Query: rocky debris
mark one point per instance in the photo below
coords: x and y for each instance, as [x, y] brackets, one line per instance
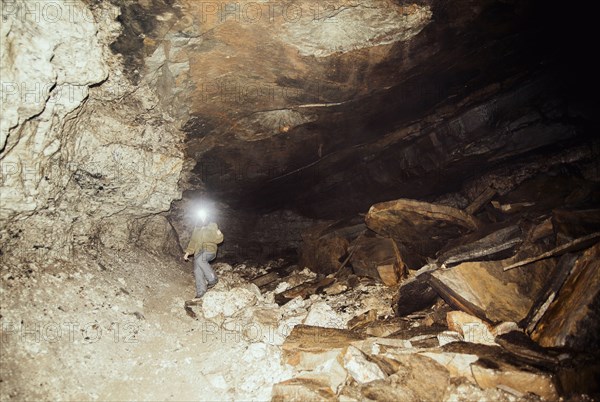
[551, 289]
[322, 315]
[472, 329]
[415, 294]
[574, 245]
[301, 389]
[362, 370]
[497, 245]
[227, 303]
[376, 257]
[418, 227]
[572, 224]
[305, 289]
[482, 290]
[325, 246]
[518, 278]
[325, 254]
[572, 316]
[338, 364]
[479, 201]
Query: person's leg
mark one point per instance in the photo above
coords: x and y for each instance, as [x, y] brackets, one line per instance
[199, 275]
[209, 273]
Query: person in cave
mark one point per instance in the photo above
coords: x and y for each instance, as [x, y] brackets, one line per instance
[203, 245]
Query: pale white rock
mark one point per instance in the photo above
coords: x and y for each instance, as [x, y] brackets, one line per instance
[362, 370]
[446, 337]
[458, 364]
[262, 369]
[217, 381]
[505, 328]
[227, 303]
[282, 287]
[46, 67]
[321, 314]
[72, 153]
[333, 370]
[471, 328]
[355, 26]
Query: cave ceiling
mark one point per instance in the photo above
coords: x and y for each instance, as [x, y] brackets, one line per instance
[328, 107]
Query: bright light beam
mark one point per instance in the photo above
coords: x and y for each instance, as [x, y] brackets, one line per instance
[202, 214]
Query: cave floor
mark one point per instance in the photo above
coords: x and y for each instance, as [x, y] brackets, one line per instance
[113, 327]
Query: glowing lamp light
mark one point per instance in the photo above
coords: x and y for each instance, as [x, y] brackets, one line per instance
[202, 214]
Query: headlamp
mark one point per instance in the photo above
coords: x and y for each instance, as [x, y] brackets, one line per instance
[202, 214]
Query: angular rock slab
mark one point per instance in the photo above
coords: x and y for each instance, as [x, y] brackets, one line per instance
[572, 318]
[414, 295]
[360, 368]
[306, 343]
[519, 380]
[416, 378]
[420, 226]
[302, 389]
[471, 328]
[498, 368]
[323, 255]
[370, 252]
[481, 289]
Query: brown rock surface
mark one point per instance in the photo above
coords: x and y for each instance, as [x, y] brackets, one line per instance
[419, 226]
[572, 318]
[484, 290]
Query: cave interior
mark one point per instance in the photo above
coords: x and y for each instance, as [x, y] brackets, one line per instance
[402, 186]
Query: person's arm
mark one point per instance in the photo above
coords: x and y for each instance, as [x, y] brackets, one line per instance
[192, 245]
[219, 237]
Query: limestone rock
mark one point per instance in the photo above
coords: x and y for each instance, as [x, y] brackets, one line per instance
[356, 27]
[227, 303]
[498, 245]
[458, 364]
[411, 371]
[310, 340]
[446, 337]
[389, 274]
[362, 370]
[322, 315]
[71, 150]
[323, 255]
[336, 289]
[324, 367]
[471, 328]
[498, 367]
[484, 290]
[522, 381]
[466, 391]
[303, 389]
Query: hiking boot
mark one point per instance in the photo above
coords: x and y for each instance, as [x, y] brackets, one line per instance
[193, 302]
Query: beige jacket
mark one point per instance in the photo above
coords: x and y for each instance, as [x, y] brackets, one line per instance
[205, 238]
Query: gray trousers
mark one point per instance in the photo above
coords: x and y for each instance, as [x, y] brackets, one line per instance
[205, 276]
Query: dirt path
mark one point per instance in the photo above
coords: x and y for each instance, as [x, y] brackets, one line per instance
[114, 328]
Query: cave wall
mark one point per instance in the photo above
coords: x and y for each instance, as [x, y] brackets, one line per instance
[112, 111]
[86, 153]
